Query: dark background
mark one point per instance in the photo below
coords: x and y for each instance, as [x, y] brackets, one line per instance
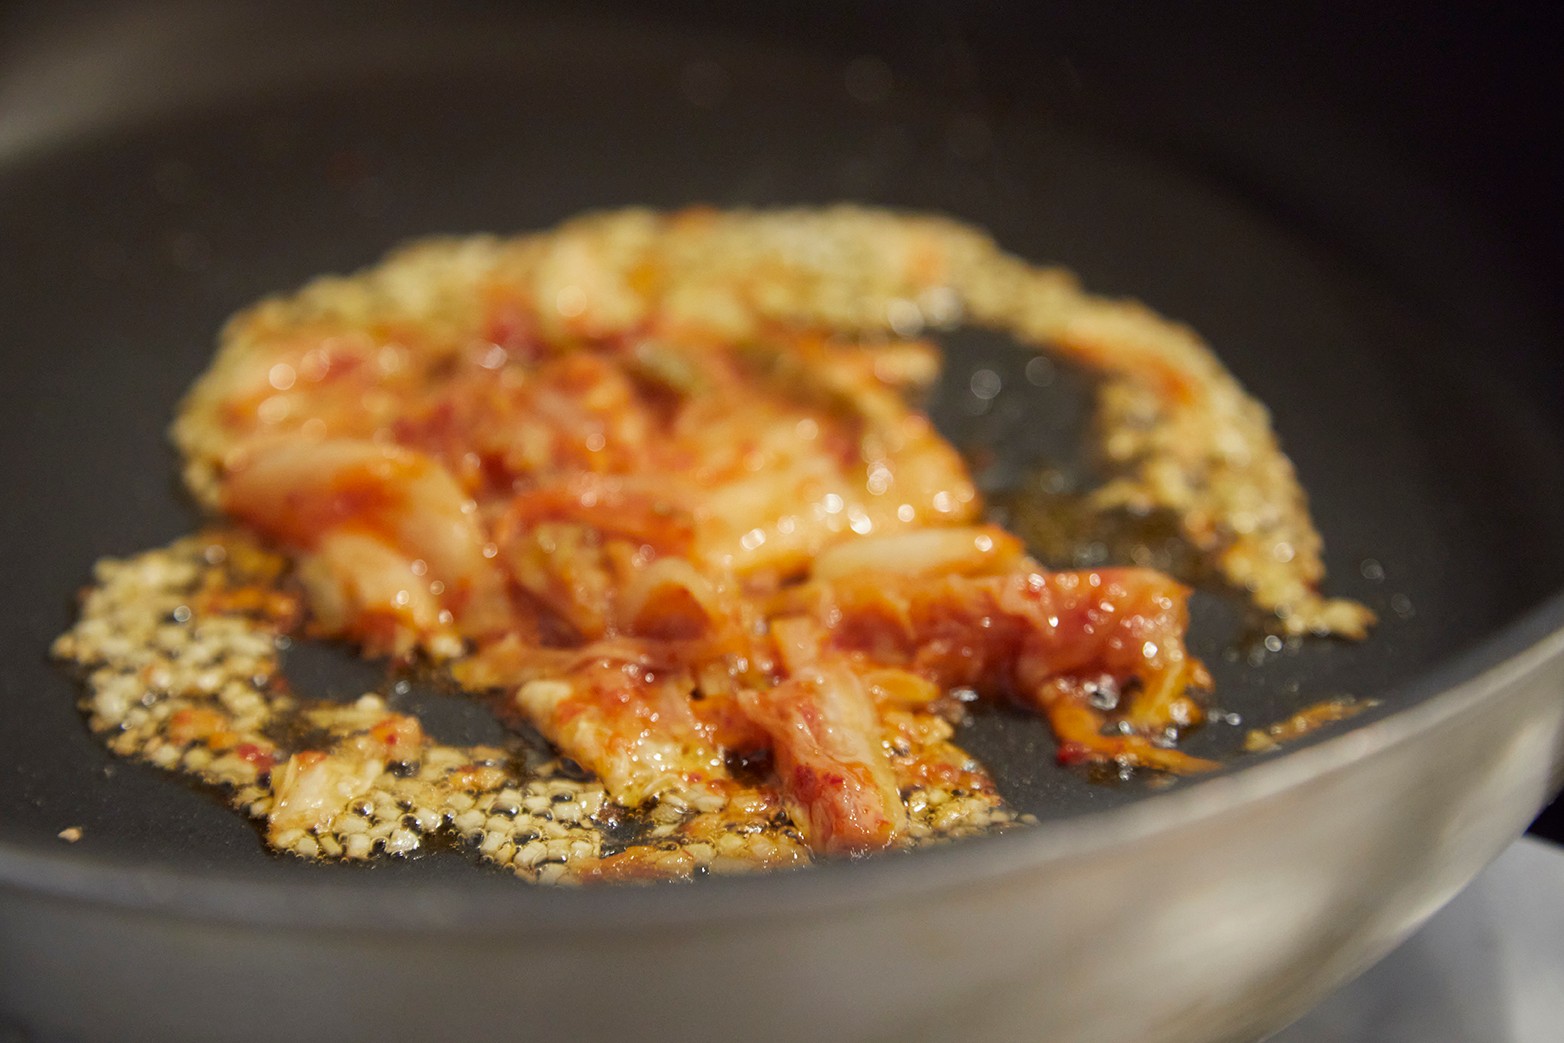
[1464, 96]
[1470, 94]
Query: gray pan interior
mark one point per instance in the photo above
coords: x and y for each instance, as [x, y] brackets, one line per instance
[138, 211]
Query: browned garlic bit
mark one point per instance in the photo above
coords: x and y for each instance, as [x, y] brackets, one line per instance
[1305, 722]
[1177, 431]
[179, 647]
[655, 485]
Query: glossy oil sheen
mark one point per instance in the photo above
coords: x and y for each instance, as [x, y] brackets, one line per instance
[132, 229]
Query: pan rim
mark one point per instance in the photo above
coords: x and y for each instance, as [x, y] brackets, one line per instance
[1508, 657]
[1499, 660]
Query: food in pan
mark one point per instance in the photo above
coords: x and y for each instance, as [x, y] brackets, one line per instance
[656, 486]
[1306, 721]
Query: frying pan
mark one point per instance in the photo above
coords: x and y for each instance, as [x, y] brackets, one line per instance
[1344, 227]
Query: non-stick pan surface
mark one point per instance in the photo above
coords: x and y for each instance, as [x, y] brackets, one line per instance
[174, 171]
